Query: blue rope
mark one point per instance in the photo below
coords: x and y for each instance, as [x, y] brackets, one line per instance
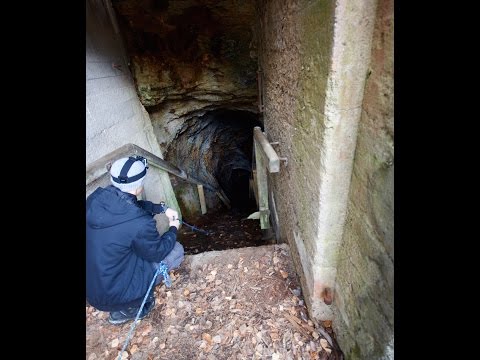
[194, 228]
[163, 269]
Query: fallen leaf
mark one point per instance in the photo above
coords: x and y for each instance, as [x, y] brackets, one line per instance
[274, 336]
[147, 330]
[124, 355]
[207, 337]
[115, 343]
[284, 274]
[169, 312]
[275, 356]
[134, 349]
[217, 339]
[243, 329]
[324, 344]
[162, 346]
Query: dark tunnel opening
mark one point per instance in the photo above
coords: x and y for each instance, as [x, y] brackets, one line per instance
[217, 148]
[234, 146]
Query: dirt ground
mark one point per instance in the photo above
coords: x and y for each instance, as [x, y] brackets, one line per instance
[241, 303]
[226, 230]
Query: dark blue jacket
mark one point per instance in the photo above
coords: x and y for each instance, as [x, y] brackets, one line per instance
[122, 242]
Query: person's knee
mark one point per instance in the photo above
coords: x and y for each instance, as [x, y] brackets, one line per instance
[179, 249]
[179, 252]
[175, 257]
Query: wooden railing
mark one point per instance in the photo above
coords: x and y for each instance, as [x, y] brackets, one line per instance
[102, 166]
[265, 159]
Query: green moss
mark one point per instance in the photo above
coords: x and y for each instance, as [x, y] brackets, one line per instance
[187, 202]
[355, 352]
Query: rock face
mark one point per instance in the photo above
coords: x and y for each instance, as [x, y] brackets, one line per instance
[188, 55]
[217, 149]
[191, 59]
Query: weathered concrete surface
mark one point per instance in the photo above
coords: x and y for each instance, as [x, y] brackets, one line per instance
[294, 54]
[189, 56]
[364, 291]
[114, 114]
[314, 55]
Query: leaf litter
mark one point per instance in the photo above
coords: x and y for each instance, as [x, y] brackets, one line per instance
[243, 303]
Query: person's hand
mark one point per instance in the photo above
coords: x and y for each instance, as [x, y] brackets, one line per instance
[175, 223]
[171, 214]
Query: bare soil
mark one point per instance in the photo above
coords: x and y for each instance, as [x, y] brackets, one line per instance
[241, 303]
[226, 230]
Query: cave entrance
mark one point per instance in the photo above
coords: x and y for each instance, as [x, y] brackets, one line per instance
[216, 148]
[195, 68]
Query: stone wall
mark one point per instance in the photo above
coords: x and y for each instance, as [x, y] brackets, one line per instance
[364, 291]
[114, 114]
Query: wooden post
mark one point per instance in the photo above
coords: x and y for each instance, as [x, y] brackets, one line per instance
[221, 194]
[265, 150]
[254, 186]
[265, 158]
[262, 187]
[201, 195]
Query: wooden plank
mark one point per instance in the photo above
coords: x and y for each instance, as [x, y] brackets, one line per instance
[201, 195]
[101, 166]
[267, 151]
[221, 194]
[159, 162]
[262, 184]
[255, 186]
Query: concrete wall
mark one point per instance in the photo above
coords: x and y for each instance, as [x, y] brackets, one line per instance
[295, 56]
[114, 114]
[364, 290]
[314, 56]
[328, 97]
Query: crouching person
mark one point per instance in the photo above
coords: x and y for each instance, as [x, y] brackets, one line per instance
[123, 246]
